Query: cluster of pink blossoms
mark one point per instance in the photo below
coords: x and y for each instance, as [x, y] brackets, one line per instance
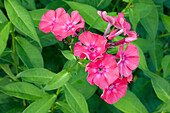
[109, 72]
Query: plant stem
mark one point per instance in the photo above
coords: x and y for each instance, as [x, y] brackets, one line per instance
[14, 49]
[127, 6]
[73, 66]
[160, 36]
[117, 1]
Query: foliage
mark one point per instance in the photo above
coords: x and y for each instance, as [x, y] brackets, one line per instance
[39, 74]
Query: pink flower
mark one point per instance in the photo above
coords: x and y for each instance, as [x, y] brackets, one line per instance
[106, 18]
[115, 91]
[121, 23]
[102, 72]
[129, 59]
[132, 36]
[95, 46]
[67, 26]
[49, 18]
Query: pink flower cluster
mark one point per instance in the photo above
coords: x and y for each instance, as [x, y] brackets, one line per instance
[109, 72]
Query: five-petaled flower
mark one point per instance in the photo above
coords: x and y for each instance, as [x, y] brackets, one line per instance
[107, 71]
[102, 72]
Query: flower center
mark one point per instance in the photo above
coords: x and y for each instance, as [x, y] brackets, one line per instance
[69, 27]
[111, 86]
[92, 49]
[100, 70]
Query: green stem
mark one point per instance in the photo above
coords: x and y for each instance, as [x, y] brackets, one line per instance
[14, 50]
[127, 6]
[117, 1]
[73, 66]
[160, 36]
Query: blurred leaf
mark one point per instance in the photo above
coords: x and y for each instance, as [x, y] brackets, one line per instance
[29, 4]
[21, 18]
[76, 101]
[23, 90]
[28, 53]
[166, 21]
[2, 17]
[58, 80]
[163, 107]
[37, 75]
[160, 85]
[64, 107]
[89, 14]
[36, 15]
[166, 66]
[4, 33]
[134, 18]
[67, 54]
[45, 2]
[141, 87]
[41, 105]
[167, 4]
[79, 82]
[156, 54]
[149, 22]
[130, 104]
[57, 4]
[144, 44]
[98, 4]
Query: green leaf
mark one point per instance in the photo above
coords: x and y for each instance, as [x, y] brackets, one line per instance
[130, 104]
[163, 108]
[144, 44]
[166, 21]
[149, 21]
[160, 85]
[41, 105]
[89, 15]
[58, 80]
[2, 17]
[67, 54]
[29, 4]
[156, 54]
[79, 82]
[8, 71]
[64, 107]
[36, 15]
[37, 75]
[98, 4]
[23, 90]
[57, 4]
[21, 18]
[76, 101]
[166, 66]
[4, 33]
[28, 53]
[134, 18]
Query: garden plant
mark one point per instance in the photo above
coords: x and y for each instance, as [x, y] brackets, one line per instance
[84, 56]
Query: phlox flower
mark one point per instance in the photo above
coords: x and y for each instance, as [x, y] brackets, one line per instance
[129, 59]
[121, 23]
[67, 25]
[95, 46]
[106, 18]
[49, 18]
[132, 36]
[102, 72]
[115, 91]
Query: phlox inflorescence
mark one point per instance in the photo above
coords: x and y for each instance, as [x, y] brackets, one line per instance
[109, 72]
